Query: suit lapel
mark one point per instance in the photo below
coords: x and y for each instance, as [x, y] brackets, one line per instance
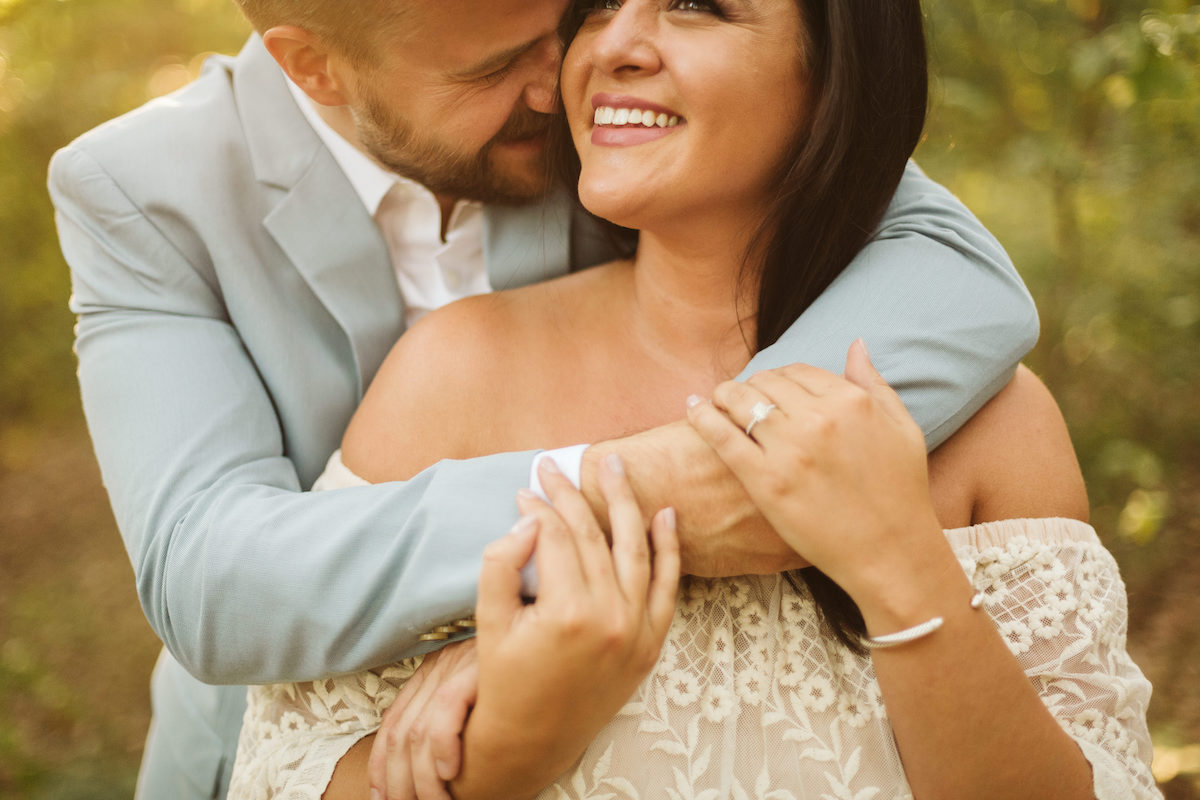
[527, 244]
[320, 223]
[340, 252]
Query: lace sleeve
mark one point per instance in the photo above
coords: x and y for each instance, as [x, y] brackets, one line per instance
[294, 734]
[1058, 600]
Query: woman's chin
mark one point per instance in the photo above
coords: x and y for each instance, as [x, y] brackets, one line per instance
[619, 205]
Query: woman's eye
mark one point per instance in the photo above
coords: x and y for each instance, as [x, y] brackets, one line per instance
[587, 7]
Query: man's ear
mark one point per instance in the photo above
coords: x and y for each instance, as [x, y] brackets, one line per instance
[307, 61]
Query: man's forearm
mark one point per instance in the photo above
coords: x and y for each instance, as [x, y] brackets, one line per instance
[240, 550]
[721, 533]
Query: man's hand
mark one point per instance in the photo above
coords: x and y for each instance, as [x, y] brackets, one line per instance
[419, 747]
[721, 532]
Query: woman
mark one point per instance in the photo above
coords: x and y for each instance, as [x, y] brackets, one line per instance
[776, 133]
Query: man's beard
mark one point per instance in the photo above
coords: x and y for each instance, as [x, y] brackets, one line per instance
[444, 171]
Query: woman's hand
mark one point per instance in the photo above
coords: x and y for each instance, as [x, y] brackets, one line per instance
[552, 673]
[837, 466]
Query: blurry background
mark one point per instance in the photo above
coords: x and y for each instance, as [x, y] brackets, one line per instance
[1071, 127]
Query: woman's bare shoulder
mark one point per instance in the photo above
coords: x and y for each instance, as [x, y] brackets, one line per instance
[430, 399]
[1014, 458]
[467, 379]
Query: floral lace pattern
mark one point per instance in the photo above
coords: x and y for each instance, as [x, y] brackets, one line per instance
[293, 734]
[749, 700]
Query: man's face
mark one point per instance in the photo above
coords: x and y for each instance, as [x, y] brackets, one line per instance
[461, 96]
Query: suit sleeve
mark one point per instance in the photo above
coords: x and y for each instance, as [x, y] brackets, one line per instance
[943, 311]
[244, 577]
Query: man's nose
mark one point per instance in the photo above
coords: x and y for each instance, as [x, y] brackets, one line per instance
[542, 90]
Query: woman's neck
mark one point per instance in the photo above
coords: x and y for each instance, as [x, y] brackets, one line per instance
[691, 303]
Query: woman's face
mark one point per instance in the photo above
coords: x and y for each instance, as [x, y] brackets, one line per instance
[715, 88]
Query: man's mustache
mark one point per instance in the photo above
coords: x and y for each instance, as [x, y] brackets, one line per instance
[524, 124]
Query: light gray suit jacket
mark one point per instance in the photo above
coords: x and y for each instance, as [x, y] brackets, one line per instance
[234, 300]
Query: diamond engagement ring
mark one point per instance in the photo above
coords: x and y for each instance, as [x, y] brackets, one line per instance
[760, 412]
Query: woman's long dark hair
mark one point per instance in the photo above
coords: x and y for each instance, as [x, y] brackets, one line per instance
[865, 109]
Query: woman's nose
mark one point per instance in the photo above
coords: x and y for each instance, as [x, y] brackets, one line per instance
[627, 43]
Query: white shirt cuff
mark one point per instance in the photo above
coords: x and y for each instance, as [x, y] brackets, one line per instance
[569, 461]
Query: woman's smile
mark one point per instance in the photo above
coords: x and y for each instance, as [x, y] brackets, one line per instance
[666, 95]
[622, 120]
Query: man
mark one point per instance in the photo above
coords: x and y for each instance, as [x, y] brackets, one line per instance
[245, 252]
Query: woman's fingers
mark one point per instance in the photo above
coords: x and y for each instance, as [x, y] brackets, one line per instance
[814, 380]
[772, 398]
[790, 397]
[630, 547]
[500, 575]
[557, 558]
[664, 585]
[861, 372]
[725, 436]
[595, 557]
[748, 406]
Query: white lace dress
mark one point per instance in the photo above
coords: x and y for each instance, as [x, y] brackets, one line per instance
[748, 700]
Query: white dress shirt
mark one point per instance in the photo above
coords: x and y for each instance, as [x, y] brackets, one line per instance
[431, 272]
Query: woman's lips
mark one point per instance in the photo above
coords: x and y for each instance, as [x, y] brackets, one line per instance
[628, 135]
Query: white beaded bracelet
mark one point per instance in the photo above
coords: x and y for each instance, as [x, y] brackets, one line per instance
[915, 632]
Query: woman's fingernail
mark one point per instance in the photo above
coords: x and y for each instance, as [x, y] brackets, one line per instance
[615, 465]
[863, 344]
[668, 517]
[549, 467]
[526, 494]
[443, 770]
[523, 525]
[376, 795]
[694, 400]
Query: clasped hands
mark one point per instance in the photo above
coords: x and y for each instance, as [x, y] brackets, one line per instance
[601, 611]
[837, 469]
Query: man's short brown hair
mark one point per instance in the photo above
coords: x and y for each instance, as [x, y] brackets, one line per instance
[351, 27]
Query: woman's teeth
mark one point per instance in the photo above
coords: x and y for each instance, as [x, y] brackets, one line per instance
[607, 115]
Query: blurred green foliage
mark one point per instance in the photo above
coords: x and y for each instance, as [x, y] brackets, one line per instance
[1071, 127]
[65, 67]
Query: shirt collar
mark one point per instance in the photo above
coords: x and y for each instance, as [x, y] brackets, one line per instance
[370, 181]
